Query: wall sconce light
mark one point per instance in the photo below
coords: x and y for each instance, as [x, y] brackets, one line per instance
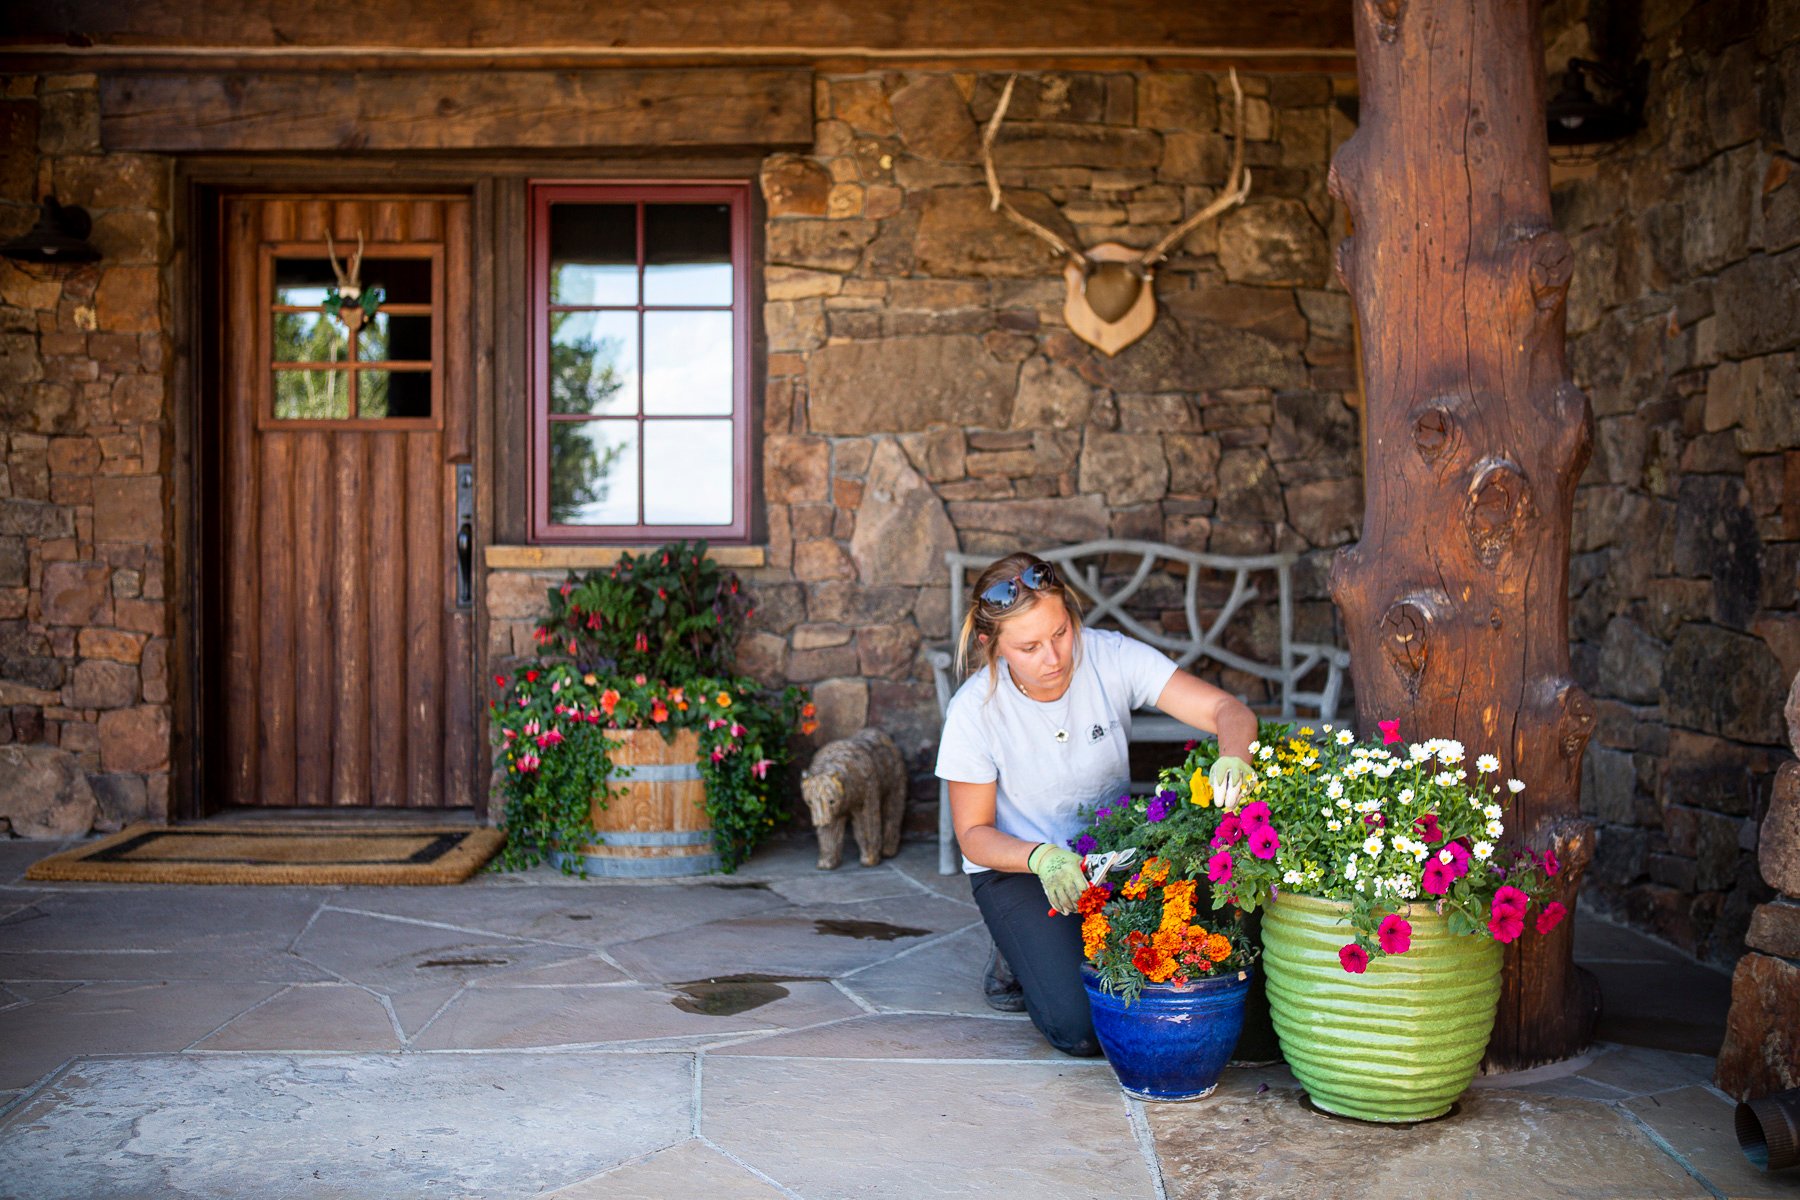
[60, 236]
[1576, 118]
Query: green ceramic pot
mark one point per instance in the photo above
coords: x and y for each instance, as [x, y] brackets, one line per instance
[1399, 1042]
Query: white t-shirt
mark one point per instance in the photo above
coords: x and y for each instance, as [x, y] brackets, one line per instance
[1044, 787]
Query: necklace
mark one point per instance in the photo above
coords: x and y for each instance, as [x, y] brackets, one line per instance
[1058, 727]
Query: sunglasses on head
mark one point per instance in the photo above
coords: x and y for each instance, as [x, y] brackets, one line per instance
[1005, 592]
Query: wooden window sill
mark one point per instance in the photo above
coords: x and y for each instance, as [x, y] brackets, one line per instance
[531, 558]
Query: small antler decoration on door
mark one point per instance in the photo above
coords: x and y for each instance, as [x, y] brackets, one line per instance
[1110, 302]
[348, 302]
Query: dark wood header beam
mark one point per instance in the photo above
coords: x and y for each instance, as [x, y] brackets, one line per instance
[829, 27]
[485, 110]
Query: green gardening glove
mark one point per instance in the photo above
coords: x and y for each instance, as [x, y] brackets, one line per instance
[1060, 871]
[1229, 776]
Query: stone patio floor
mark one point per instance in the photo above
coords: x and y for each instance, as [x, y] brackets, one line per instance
[529, 1035]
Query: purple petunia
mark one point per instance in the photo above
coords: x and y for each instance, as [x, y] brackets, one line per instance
[1085, 844]
[1159, 806]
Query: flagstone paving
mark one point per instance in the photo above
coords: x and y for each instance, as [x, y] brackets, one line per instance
[782, 1032]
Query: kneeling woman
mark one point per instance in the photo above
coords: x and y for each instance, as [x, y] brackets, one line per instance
[1033, 741]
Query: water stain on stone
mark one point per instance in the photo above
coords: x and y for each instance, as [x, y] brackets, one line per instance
[579, 916]
[729, 995]
[867, 930]
[757, 885]
[462, 962]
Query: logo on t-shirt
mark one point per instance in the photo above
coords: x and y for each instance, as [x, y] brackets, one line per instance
[1096, 733]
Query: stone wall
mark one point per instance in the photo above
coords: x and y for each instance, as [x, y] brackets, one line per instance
[84, 522]
[1682, 329]
[923, 392]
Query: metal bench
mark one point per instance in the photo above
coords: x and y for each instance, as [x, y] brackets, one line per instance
[1106, 593]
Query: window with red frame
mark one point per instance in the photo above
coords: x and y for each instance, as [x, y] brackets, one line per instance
[640, 381]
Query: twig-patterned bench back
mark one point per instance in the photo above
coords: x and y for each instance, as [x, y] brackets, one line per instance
[1107, 595]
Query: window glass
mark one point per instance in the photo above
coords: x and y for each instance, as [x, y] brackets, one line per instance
[310, 337]
[593, 254]
[594, 362]
[389, 338]
[594, 472]
[312, 395]
[687, 254]
[381, 394]
[687, 363]
[687, 473]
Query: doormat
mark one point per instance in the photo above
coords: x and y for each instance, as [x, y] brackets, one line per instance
[316, 853]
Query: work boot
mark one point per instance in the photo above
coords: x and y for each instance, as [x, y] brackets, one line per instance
[1000, 986]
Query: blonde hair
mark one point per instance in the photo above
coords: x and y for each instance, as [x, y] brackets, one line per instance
[982, 619]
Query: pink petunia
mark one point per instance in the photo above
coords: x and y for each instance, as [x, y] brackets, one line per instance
[1354, 958]
[1375, 819]
[1390, 732]
[1510, 899]
[1429, 833]
[1549, 918]
[1263, 842]
[1230, 831]
[1506, 926]
[1437, 878]
[1218, 867]
[1253, 816]
[1395, 934]
[1551, 865]
[1459, 858]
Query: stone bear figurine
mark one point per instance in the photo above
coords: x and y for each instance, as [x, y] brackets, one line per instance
[859, 781]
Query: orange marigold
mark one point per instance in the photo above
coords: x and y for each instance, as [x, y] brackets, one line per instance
[1093, 899]
[1094, 928]
[1156, 871]
[1218, 947]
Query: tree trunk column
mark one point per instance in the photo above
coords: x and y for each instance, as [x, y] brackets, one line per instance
[1456, 597]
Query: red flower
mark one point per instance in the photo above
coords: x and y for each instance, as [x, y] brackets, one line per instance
[643, 643]
[1506, 926]
[1396, 934]
[609, 700]
[659, 712]
[1218, 867]
[531, 676]
[1551, 866]
[1437, 878]
[1354, 959]
[1253, 816]
[1144, 959]
[1429, 833]
[1548, 919]
[1390, 732]
[1230, 831]
[1510, 899]
[1263, 842]
[500, 681]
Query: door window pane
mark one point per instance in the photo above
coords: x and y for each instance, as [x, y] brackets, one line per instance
[687, 363]
[393, 394]
[593, 254]
[389, 338]
[312, 395]
[594, 472]
[687, 473]
[310, 337]
[687, 254]
[593, 362]
[401, 280]
[302, 281]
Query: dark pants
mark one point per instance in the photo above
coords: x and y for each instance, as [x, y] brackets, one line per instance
[1044, 952]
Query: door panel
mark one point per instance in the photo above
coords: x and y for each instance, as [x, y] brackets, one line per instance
[346, 677]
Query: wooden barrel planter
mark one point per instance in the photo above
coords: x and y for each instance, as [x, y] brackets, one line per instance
[658, 827]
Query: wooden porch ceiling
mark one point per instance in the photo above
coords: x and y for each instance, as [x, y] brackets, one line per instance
[402, 34]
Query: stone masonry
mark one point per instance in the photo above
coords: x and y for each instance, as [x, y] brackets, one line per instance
[923, 393]
[84, 513]
[1687, 523]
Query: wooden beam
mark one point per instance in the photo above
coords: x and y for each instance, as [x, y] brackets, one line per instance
[818, 26]
[1456, 598]
[486, 110]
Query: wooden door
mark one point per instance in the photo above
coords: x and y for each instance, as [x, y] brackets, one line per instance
[348, 662]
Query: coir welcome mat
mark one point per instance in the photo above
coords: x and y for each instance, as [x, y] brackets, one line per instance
[313, 853]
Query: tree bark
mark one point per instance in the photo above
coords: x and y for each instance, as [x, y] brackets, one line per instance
[1456, 596]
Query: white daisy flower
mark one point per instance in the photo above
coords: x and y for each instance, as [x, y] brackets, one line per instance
[1493, 829]
[1405, 888]
[1482, 850]
[1372, 845]
[1344, 803]
[1255, 747]
[1350, 868]
[1344, 736]
[1359, 886]
[1515, 786]
[1406, 795]
[1444, 779]
[1420, 851]
[1491, 812]
[1274, 771]
[1445, 857]
[1266, 753]
[1292, 877]
[1384, 770]
[1334, 826]
[1333, 789]
[1487, 764]
[1418, 753]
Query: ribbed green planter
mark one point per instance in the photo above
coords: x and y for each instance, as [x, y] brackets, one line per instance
[1399, 1042]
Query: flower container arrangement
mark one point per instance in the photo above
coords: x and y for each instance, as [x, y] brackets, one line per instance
[1386, 903]
[1167, 994]
[628, 747]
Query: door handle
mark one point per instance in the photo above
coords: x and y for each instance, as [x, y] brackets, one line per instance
[465, 535]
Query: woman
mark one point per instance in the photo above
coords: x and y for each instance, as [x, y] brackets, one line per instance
[1033, 741]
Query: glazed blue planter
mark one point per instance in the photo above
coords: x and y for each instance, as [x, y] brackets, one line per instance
[1172, 1043]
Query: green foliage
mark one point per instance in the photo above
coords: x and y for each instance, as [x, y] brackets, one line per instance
[645, 645]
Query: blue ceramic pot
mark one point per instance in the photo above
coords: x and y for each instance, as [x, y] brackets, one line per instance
[1172, 1043]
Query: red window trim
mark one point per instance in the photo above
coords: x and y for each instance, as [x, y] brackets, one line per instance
[544, 193]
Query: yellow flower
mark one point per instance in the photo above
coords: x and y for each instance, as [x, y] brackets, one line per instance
[1200, 788]
[723, 700]
[590, 679]
[1306, 731]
